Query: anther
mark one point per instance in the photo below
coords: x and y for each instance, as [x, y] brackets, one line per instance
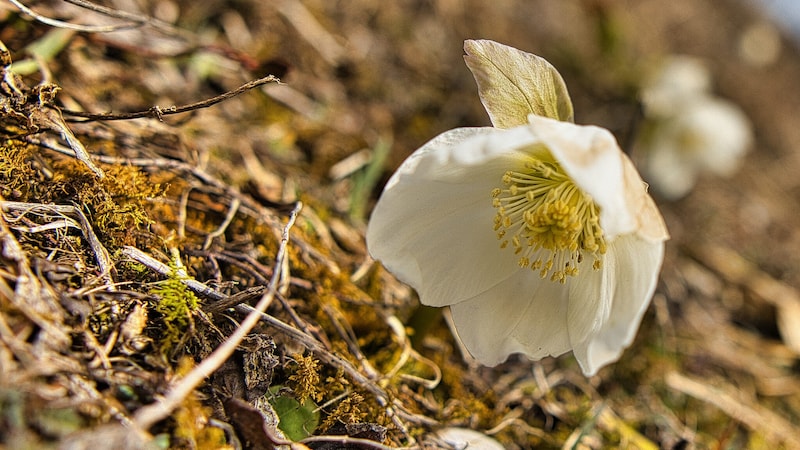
[550, 220]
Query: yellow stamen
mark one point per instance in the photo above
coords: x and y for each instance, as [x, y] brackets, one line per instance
[547, 219]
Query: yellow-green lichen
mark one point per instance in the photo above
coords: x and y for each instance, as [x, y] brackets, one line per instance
[176, 304]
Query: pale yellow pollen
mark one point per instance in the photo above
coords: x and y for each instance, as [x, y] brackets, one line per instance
[547, 219]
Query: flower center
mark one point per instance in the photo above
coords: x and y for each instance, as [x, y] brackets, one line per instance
[548, 220]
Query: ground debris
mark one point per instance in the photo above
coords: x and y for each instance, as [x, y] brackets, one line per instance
[138, 240]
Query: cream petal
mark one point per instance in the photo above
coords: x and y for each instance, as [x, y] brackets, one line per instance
[680, 81]
[624, 288]
[442, 143]
[524, 314]
[433, 225]
[592, 158]
[722, 130]
[464, 438]
[590, 297]
[673, 174]
[649, 221]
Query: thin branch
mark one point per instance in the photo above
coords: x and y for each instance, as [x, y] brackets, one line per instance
[60, 24]
[224, 225]
[755, 417]
[138, 19]
[154, 264]
[349, 336]
[100, 252]
[52, 120]
[351, 442]
[150, 414]
[251, 265]
[183, 211]
[238, 298]
[158, 112]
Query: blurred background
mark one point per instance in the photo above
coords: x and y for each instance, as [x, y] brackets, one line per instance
[703, 94]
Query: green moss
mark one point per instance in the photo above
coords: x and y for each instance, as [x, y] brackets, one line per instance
[176, 304]
[117, 203]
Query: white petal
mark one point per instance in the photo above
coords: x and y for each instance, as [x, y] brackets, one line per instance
[524, 314]
[592, 158]
[722, 130]
[464, 438]
[650, 224]
[672, 172]
[433, 225]
[590, 297]
[631, 270]
[440, 144]
[680, 81]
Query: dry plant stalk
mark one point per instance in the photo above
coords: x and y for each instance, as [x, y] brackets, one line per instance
[149, 415]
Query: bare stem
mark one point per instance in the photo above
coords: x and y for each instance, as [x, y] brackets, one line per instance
[150, 414]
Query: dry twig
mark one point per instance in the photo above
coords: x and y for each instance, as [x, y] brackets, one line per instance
[100, 252]
[60, 24]
[32, 110]
[754, 416]
[224, 225]
[784, 298]
[158, 112]
[136, 19]
[150, 414]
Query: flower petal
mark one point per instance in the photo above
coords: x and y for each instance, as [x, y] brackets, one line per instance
[513, 84]
[433, 225]
[722, 132]
[649, 221]
[524, 314]
[680, 80]
[591, 157]
[591, 294]
[464, 438]
[627, 282]
[672, 173]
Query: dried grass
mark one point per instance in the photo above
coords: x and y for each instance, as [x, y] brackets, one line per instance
[161, 283]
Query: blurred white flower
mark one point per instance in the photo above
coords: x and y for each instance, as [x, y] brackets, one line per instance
[679, 81]
[688, 130]
[540, 237]
[466, 439]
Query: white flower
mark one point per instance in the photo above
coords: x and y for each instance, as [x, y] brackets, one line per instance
[541, 238]
[689, 131]
[464, 438]
[680, 80]
[709, 135]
